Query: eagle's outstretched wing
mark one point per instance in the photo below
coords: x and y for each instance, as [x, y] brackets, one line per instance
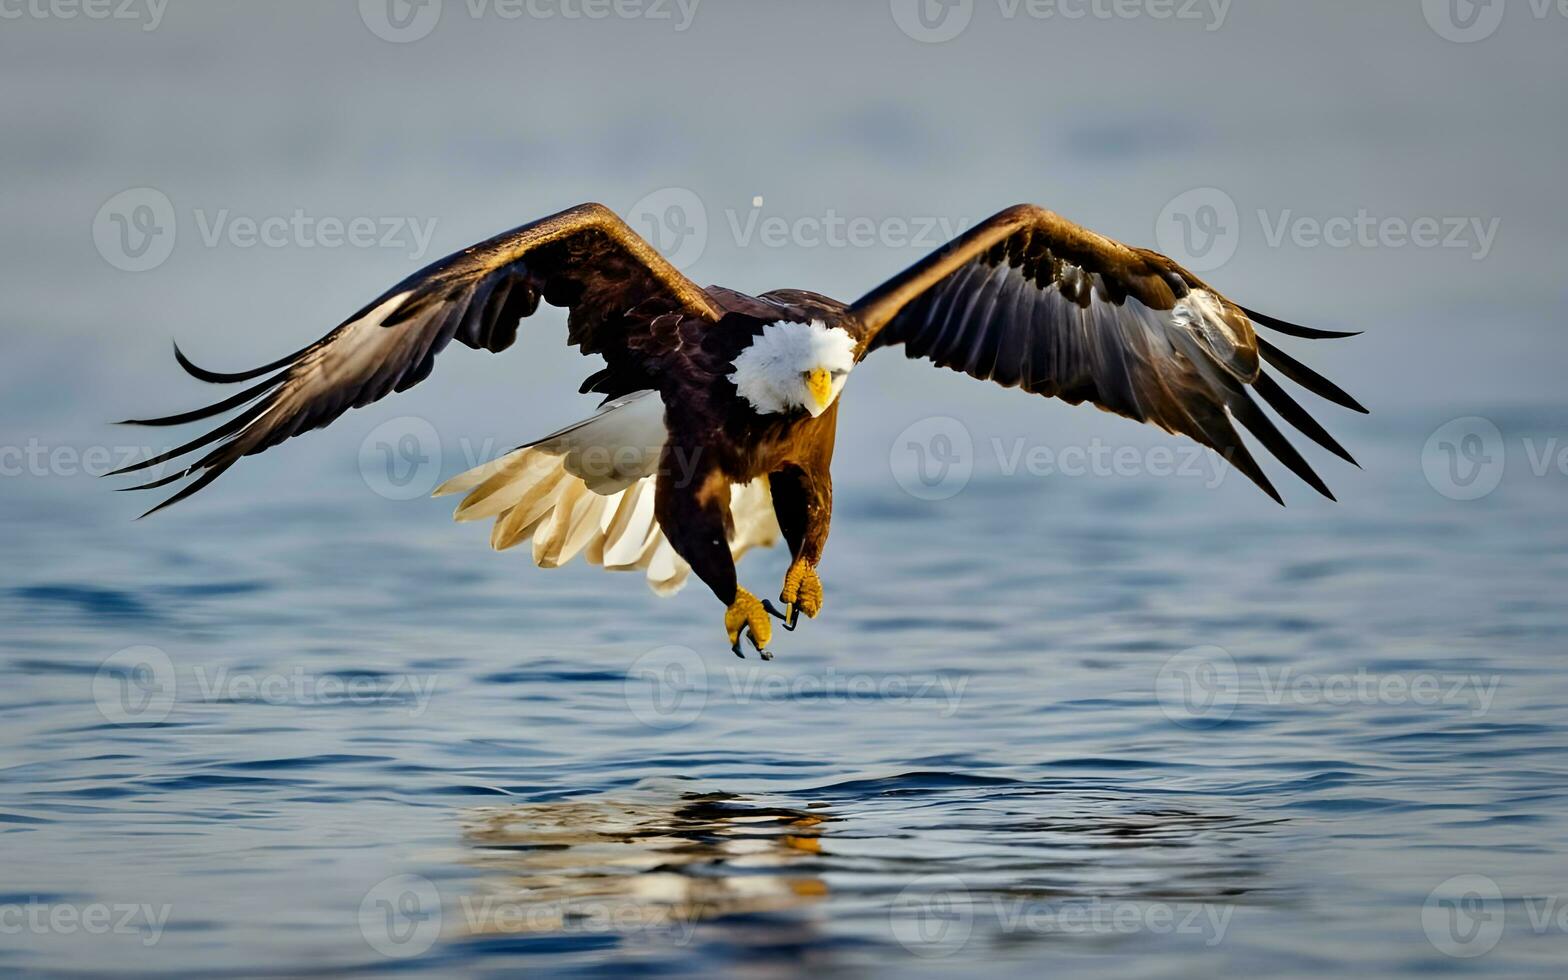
[1030, 299]
[585, 258]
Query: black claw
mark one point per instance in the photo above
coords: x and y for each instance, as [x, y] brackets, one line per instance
[763, 653]
[789, 617]
[736, 647]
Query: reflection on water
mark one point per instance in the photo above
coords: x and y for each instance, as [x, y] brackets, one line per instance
[638, 863]
[925, 862]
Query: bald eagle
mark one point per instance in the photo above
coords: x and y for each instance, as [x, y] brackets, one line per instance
[716, 434]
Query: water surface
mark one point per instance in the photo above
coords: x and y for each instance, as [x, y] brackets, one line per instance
[390, 749]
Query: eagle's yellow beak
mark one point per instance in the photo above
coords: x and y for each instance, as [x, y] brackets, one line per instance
[819, 384]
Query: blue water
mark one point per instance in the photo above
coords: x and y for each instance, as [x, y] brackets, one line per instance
[384, 749]
[1123, 726]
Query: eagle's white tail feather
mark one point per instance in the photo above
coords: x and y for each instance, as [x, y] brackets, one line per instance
[667, 572]
[560, 493]
[531, 505]
[625, 538]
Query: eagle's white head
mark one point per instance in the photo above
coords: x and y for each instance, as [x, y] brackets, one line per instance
[794, 365]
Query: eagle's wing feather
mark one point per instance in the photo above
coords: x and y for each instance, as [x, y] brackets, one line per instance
[1029, 299]
[585, 258]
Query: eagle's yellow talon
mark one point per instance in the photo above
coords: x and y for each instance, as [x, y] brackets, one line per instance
[746, 612]
[803, 588]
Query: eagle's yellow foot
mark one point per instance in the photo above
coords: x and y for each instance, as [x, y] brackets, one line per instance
[746, 613]
[802, 593]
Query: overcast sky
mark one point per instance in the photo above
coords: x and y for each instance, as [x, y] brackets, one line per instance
[1395, 167]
